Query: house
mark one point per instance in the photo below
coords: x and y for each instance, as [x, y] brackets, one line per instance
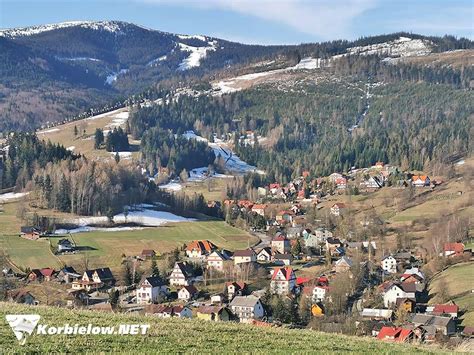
[407, 304]
[412, 271]
[187, 293]
[218, 298]
[214, 313]
[265, 254]
[322, 234]
[148, 254]
[245, 204]
[344, 264]
[181, 274]
[319, 293]
[389, 264]
[332, 244]
[94, 279]
[247, 308]
[395, 334]
[32, 233]
[65, 246]
[199, 248]
[341, 183]
[244, 256]
[274, 188]
[22, 296]
[216, 260]
[373, 182]
[68, 274]
[259, 209]
[283, 259]
[392, 291]
[8, 272]
[283, 281]
[444, 309]
[150, 290]
[283, 217]
[443, 325]
[453, 249]
[45, 274]
[280, 244]
[376, 314]
[235, 289]
[420, 180]
[337, 209]
[163, 311]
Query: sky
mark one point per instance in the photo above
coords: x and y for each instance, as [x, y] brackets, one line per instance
[257, 21]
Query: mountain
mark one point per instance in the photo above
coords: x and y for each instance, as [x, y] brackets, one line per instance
[52, 72]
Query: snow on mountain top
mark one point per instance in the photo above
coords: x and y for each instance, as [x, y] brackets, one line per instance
[110, 26]
[401, 47]
[195, 56]
[199, 37]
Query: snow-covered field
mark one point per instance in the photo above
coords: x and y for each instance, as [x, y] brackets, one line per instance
[232, 162]
[171, 186]
[119, 119]
[49, 131]
[195, 56]
[122, 155]
[10, 196]
[142, 216]
[114, 75]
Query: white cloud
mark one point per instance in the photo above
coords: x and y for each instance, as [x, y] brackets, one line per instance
[326, 19]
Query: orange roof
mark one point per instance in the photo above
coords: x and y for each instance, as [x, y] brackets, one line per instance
[257, 207]
[445, 309]
[420, 177]
[456, 247]
[204, 246]
[339, 205]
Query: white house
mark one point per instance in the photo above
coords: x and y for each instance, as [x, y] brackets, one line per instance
[283, 281]
[187, 293]
[216, 260]
[265, 254]
[151, 290]
[393, 291]
[281, 244]
[337, 209]
[244, 256]
[319, 293]
[172, 311]
[181, 275]
[247, 308]
[389, 264]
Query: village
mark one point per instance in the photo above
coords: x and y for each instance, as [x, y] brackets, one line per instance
[311, 267]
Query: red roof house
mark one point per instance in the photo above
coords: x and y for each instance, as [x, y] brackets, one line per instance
[396, 334]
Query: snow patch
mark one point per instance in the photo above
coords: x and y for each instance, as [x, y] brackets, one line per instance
[123, 155]
[49, 131]
[111, 78]
[109, 26]
[199, 37]
[71, 148]
[171, 186]
[10, 196]
[157, 60]
[141, 216]
[195, 56]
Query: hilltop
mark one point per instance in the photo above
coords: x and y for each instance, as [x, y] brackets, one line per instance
[178, 335]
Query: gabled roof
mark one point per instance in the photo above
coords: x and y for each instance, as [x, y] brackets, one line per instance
[191, 289]
[47, 272]
[244, 301]
[27, 229]
[210, 309]
[259, 207]
[69, 270]
[239, 285]
[154, 281]
[445, 309]
[456, 247]
[344, 261]
[279, 238]
[245, 252]
[425, 319]
[267, 250]
[148, 252]
[419, 177]
[183, 267]
[339, 205]
[104, 273]
[286, 271]
[394, 333]
[203, 246]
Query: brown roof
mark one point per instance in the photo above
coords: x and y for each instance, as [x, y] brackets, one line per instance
[245, 252]
[204, 246]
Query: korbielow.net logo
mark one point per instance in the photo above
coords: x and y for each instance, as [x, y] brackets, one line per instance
[22, 325]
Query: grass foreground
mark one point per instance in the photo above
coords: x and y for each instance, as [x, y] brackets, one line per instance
[181, 336]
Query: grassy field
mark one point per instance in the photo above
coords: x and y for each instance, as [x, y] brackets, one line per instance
[182, 336]
[458, 280]
[106, 248]
[82, 143]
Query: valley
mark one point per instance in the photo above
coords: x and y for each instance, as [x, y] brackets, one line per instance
[325, 186]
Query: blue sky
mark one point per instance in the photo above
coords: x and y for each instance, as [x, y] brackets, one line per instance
[257, 21]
